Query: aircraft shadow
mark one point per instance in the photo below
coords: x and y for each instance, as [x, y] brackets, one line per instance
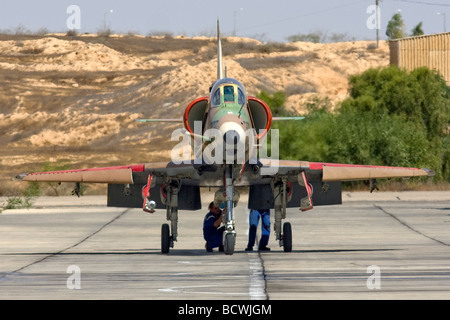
[186, 252]
[174, 252]
[341, 250]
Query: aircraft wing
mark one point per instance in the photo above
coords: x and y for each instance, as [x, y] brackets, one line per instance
[321, 171]
[315, 171]
[318, 182]
[128, 174]
[115, 175]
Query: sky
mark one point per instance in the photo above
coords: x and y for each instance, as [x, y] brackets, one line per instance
[266, 20]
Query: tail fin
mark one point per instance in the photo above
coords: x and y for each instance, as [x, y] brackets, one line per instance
[220, 74]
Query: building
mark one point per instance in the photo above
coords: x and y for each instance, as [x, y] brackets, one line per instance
[432, 51]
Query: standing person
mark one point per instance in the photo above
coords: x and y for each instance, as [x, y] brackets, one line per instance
[265, 229]
[212, 234]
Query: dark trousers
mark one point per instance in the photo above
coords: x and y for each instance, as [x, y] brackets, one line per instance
[214, 237]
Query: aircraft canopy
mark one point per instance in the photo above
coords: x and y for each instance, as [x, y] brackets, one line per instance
[227, 90]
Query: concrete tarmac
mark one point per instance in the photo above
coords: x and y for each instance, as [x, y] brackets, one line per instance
[374, 246]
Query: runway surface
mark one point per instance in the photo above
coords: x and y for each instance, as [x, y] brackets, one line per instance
[374, 246]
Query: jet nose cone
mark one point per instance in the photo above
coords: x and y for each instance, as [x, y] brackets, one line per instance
[231, 137]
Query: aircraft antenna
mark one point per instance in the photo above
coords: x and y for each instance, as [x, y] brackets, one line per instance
[219, 55]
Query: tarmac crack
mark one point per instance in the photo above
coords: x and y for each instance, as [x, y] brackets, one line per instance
[65, 249]
[410, 227]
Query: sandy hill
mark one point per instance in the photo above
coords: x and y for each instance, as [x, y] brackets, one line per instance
[75, 99]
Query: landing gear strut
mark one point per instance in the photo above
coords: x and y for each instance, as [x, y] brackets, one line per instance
[170, 190]
[282, 189]
[280, 195]
[229, 235]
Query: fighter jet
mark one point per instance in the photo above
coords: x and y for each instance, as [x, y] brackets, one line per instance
[223, 139]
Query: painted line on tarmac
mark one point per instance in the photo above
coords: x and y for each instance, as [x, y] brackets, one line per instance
[257, 287]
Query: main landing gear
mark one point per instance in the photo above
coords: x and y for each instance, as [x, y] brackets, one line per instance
[171, 201]
[169, 197]
[282, 190]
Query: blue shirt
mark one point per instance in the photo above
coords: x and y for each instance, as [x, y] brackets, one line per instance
[208, 222]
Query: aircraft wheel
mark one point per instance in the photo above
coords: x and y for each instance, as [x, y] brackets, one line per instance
[228, 246]
[165, 238]
[287, 237]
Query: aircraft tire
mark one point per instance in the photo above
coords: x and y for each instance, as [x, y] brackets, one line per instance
[229, 244]
[287, 237]
[165, 238]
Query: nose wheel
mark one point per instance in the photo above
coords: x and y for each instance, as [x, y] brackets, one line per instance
[229, 242]
[229, 235]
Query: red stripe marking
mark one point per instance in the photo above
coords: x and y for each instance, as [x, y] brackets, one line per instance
[319, 166]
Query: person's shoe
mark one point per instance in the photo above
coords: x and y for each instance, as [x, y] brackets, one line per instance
[208, 248]
[264, 249]
[249, 249]
[221, 248]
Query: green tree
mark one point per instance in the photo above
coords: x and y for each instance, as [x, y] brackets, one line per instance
[421, 98]
[306, 139]
[396, 27]
[417, 30]
[55, 166]
[392, 117]
[421, 95]
[276, 102]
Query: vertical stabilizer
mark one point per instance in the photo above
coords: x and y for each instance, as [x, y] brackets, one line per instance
[220, 74]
